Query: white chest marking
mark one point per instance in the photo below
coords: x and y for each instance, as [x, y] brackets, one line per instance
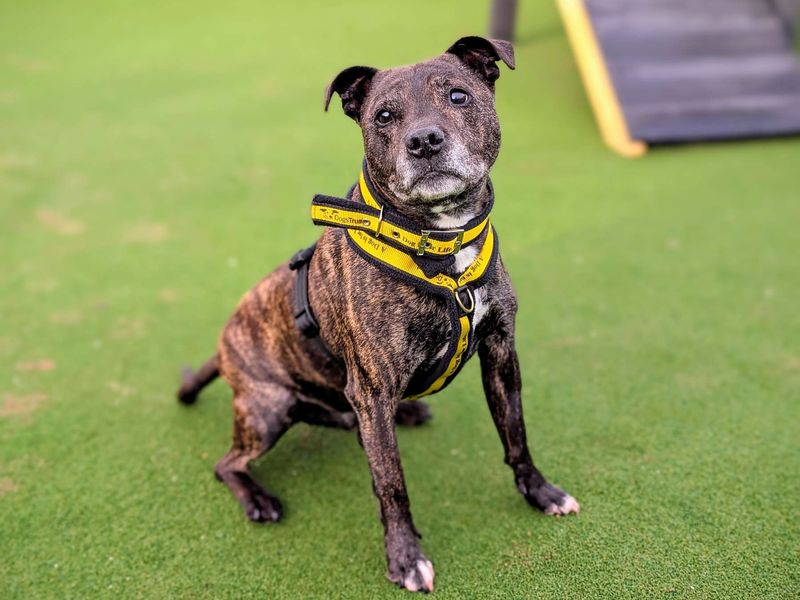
[463, 259]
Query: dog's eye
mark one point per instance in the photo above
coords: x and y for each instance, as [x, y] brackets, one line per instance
[458, 97]
[384, 117]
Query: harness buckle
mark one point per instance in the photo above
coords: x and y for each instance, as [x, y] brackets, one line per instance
[426, 233]
[470, 295]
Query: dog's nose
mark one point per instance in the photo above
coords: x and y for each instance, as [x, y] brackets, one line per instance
[425, 141]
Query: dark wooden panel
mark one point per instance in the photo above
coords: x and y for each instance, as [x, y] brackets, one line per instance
[707, 78]
[700, 69]
[649, 46]
[735, 118]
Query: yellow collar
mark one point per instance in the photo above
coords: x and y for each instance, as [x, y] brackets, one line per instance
[381, 221]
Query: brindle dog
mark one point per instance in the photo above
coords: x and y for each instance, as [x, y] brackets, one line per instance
[431, 135]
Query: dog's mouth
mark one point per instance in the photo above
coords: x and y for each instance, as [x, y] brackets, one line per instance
[435, 184]
[434, 175]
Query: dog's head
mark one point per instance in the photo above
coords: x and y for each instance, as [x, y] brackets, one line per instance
[430, 130]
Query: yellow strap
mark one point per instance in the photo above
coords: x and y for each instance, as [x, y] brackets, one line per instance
[383, 252]
[343, 217]
[455, 360]
[340, 217]
[366, 221]
[411, 239]
[365, 193]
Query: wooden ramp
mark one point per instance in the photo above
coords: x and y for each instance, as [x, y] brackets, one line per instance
[686, 70]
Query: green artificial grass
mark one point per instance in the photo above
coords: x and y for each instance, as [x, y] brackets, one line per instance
[156, 159]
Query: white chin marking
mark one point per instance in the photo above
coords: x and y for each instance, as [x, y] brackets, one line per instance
[460, 169]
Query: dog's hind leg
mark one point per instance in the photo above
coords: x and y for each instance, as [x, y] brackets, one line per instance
[262, 416]
[315, 413]
[411, 413]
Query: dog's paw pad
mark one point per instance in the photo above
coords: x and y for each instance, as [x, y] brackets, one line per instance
[549, 499]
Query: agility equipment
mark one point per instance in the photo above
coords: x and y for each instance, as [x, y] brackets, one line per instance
[672, 71]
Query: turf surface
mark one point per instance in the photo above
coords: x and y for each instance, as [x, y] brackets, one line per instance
[156, 159]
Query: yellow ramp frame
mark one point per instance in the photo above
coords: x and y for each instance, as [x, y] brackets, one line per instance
[597, 81]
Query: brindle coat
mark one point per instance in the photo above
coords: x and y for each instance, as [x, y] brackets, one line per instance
[430, 161]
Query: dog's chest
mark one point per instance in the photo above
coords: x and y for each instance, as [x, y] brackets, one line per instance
[463, 259]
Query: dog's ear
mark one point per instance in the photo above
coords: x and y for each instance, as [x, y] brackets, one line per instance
[352, 85]
[481, 55]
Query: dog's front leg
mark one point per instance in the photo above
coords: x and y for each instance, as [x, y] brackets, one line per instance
[502, 384]
[407, 565]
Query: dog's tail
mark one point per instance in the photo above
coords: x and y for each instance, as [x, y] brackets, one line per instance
[194, 381]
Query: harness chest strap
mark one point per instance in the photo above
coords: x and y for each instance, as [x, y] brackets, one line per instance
[462, 312]
[399, 261]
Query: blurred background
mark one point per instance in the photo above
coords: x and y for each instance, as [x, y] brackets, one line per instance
[157, 159]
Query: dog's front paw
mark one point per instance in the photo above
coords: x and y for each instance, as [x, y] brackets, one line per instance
[260, 507]
[548, 498]
[409, 568]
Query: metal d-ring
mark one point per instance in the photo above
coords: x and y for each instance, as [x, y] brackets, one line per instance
[471, 299]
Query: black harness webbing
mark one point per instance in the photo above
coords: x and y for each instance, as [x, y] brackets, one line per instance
[303, 315]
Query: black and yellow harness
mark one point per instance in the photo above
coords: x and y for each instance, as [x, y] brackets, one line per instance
[394, 244]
